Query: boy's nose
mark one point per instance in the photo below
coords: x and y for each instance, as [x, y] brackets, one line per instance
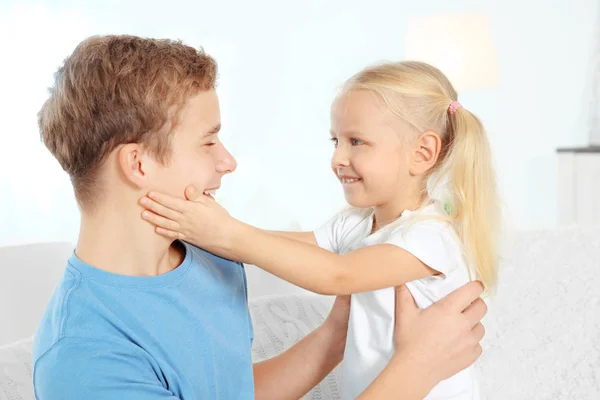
[226, 163]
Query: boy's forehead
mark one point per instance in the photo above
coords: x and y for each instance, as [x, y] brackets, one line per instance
[202, 111]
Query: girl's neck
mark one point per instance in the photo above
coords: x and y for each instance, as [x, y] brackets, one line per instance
[388, 213]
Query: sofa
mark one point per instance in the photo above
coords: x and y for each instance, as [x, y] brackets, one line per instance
[543, 324]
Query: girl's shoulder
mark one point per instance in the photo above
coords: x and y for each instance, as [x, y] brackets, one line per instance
[352, 217]
[343, 229]
[429, 220]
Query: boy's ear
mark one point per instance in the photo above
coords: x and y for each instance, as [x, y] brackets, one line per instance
[426, 153]
[135, 164]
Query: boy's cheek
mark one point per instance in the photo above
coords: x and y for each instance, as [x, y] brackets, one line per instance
[168, 183]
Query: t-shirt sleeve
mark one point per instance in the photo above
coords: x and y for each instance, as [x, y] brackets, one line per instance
[432, 242]
[77, 368]
[330, 234]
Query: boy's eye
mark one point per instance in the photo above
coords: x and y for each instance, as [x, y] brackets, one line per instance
[334, 141]
[356, 142]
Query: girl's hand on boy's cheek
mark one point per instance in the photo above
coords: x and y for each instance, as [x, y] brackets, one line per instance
[202, 222]
[191, 193]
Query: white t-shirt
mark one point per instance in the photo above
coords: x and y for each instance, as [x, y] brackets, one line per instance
[369, 345]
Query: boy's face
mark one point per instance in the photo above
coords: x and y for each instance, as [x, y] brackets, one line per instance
[197, 156]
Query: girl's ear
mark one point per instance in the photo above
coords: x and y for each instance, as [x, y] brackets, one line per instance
[426, 153]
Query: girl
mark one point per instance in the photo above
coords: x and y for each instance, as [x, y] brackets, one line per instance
[415, 166]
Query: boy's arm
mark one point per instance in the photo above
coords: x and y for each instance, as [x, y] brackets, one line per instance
[321, 271]
[431, 345]
[399, 379]
[83, 368]
[295, 372]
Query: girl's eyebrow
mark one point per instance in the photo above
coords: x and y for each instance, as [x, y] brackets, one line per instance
[350, 133]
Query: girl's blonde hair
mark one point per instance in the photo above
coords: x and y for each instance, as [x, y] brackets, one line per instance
[420, 95]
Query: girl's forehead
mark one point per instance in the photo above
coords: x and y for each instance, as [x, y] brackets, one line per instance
[361, 113]
[356, 118]
[358, 100]
[359, 107]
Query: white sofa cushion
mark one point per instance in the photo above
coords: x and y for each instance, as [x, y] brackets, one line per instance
[543, 326]
[28, 276]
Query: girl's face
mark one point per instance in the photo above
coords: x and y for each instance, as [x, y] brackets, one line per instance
[371, 159]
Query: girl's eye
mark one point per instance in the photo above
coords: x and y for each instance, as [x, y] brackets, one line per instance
[334, 141]
[356, 142]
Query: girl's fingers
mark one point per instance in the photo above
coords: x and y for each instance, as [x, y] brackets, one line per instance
[168, 233]
[191, 193]
[168, 201]
[160, 221]
[159, 209]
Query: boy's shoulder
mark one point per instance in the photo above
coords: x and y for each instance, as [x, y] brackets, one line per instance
[205, 259]
[54, 320]
[83, 300]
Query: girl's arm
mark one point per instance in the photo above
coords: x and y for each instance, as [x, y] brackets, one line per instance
[208, 225]
[304, 237]
[318, 270]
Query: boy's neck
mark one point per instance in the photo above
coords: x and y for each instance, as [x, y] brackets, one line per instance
[122, 243]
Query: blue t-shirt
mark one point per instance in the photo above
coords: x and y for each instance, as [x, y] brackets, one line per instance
[184, 335]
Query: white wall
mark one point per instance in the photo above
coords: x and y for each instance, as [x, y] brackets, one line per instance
[280, 63]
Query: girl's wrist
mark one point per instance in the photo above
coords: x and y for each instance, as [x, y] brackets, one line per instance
[236, 234]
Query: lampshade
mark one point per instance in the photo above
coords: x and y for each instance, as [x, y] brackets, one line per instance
[460, 45]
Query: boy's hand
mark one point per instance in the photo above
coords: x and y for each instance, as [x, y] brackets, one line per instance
[339, 315]
[335, 328]
[199, 220]
[443, 339]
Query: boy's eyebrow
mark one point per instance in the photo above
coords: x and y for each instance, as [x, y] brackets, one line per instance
[215, 129]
